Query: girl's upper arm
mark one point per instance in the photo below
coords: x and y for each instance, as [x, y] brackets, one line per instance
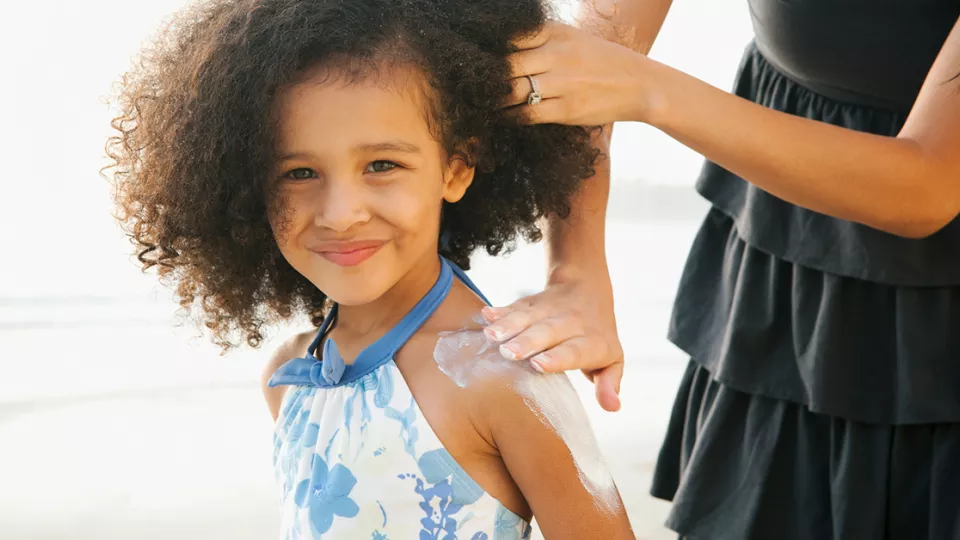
[290, 349]
[544, 437]
[273, 396]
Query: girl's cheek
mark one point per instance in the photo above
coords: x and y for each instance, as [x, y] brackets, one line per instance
[288, 215]
[413, 215]
[413, 204]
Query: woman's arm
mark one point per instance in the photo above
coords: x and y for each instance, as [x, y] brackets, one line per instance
[573, 317]
[907, 185]
[631, 23]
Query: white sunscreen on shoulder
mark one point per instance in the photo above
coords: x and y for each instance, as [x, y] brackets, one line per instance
[467, 357]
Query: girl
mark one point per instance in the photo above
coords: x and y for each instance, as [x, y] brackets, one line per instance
[342, 159]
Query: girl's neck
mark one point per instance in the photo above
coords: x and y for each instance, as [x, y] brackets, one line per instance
[365, 323]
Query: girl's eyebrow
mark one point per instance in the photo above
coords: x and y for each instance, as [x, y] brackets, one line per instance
[295, 155]
[386, 146]
[390, 146]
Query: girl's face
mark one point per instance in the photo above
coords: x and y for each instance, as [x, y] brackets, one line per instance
[361, 183]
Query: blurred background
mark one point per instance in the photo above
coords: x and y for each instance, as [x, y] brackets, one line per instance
[117, 424]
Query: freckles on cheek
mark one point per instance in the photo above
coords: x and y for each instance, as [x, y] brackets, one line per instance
[280, 227]
[285, 220]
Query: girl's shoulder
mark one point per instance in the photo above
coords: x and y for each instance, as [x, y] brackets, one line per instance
[459, 408]
[291, 348]
[522, 435]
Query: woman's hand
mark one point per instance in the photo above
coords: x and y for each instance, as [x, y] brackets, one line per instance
[570, 325]
[584, 79]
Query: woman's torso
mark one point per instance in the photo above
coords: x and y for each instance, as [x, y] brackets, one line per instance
[867, 52]
[854, 64]
[784, 302]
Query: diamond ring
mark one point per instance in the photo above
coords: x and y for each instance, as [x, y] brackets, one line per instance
[535, 96]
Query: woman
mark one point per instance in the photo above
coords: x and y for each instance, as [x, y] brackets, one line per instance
[821, 295]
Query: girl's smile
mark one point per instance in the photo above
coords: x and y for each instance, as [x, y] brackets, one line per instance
[347, 253]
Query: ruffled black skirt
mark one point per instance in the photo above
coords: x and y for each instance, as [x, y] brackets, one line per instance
[741, 467]
[822, 401]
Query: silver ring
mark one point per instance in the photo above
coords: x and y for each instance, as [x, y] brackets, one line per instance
[535, 96]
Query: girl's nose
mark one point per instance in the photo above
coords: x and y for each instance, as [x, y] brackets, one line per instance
[343, 206]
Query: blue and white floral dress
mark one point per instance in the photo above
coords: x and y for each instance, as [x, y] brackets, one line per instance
[355, 457]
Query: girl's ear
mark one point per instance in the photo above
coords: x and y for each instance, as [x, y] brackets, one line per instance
[459, 177]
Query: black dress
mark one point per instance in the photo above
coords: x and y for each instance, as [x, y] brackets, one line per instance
[822, 399]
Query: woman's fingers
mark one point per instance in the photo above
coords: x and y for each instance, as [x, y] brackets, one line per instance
[531, 62]
[509, 325]
[493, 314]
[532, 41]
[547, 85]
[584, 79]
[573, 353]
[520, 91]
[539, 336]
[607, 385]
[548, 111]
[526, 327]
[570, 325]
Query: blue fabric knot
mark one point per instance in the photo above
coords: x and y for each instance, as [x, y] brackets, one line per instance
[332, 366]
[332, 371]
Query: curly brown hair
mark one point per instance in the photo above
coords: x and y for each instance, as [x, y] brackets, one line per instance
[196, 140]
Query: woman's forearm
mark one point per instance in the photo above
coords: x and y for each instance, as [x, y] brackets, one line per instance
[577, 242]
[892, 184]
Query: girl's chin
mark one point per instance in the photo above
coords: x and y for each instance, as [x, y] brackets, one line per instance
[351, 292]
[354, 298]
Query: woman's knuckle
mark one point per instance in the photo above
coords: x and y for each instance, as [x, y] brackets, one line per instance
[562, 353]
[571, 325]
[521, 342]
[525, 304]
[579, 349]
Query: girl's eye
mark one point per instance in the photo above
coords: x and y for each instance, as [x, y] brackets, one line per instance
[301, 174]
[381, 166]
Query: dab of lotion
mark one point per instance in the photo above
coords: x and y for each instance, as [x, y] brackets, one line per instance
[467, 356]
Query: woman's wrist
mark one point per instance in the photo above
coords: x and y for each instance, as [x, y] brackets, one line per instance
[595, 272]
[646, 97]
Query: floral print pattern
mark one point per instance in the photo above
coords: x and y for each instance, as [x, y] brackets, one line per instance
[358, 460]
[326, 494]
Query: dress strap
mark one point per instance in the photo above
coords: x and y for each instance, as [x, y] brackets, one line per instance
[330, 370]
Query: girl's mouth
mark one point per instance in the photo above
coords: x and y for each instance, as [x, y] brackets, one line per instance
[349, 253]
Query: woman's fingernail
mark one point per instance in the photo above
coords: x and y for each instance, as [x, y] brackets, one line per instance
[540, 361]
[509, 352]
[493, 333]
[536, 365]
[491, 314]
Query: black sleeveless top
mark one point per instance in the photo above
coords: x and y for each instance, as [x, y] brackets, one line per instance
[783, 302]
[860, 64]
[867, 52]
